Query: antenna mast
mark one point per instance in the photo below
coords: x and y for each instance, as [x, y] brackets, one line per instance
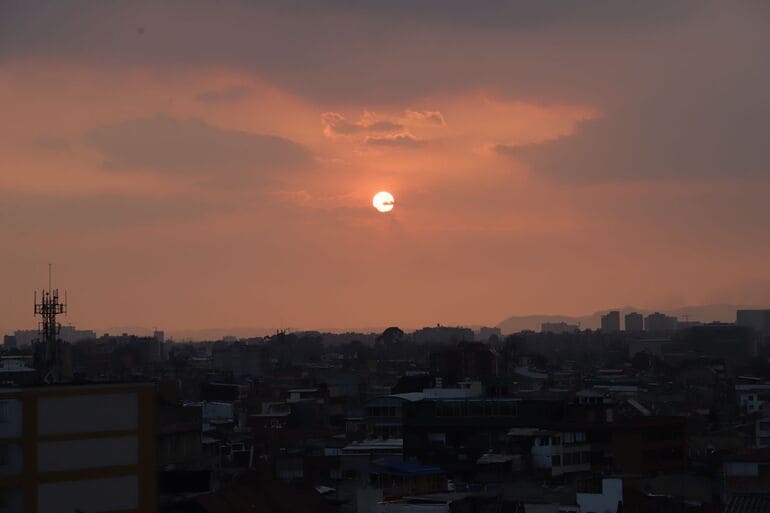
[49, 345]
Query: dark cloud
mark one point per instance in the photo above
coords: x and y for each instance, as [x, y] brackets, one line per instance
[708, 134]
[378, 51]
[643, 65]
[396, 140]
[40, 213]
[193, 147]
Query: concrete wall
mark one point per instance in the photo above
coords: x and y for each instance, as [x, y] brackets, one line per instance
[92, 495]
[88, 453]
[10, 459]
[86, 414]
[605, 502]
[10, 418]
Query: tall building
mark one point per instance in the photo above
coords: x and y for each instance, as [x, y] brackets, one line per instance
[78, 448]
[758, 320]
[634, 322]
[611, 322]
[658, 322]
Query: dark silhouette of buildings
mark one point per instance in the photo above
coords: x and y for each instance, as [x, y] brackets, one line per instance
[611, 322]
[634, 322]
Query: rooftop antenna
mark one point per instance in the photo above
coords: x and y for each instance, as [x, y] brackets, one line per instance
[48, 350]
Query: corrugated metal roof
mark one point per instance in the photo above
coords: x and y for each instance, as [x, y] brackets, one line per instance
[749, 503]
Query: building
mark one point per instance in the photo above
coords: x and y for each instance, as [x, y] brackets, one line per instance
[762, 433]
[554, 452]
[608, 496]
[384, 417]
[17, 370]
[242, 360]
[644, 445]
[485, 333]
[443, 335]
[449, 432]
[658, 322]
[559, 327]
[651, 346]
[634, 322]
[611, 322]
[397, 478]
[467, 360]
[78, 448]
[751, 398]
[9, 341]
[758, 320]
[67, 334]
[745, 472]
[720, 340]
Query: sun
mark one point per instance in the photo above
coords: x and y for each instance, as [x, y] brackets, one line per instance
[383, 201]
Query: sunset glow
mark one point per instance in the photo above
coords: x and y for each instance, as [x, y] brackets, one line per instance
[540, 165]
[383, 201]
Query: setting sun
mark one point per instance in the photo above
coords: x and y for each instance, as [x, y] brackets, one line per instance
[383, 201]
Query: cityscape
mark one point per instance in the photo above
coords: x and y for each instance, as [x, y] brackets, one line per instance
[384, 256]
[647, 413]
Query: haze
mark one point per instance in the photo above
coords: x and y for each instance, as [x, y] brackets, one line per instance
[198, 164]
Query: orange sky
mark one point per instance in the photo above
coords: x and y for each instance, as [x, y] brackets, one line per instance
[189, 166]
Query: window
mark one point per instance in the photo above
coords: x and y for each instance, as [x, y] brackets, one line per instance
[3, 412]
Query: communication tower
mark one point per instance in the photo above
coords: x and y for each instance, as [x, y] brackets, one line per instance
[48, 353]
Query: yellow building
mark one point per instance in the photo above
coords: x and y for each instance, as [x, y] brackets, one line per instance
[69, 448]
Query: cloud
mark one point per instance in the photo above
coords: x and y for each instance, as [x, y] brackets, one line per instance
[26, 212]
[336, 124]
[228, 95]
[664, 138]
[51, 143]
[192, 147]
[404, 140]
[425, 116]
[371, 52]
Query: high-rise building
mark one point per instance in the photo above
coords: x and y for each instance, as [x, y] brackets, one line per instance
[658, 322]
[634, 322]
[611, 322]
[78, 448]
[758, 320]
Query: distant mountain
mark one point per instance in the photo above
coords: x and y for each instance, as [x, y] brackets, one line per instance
[701, 313]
